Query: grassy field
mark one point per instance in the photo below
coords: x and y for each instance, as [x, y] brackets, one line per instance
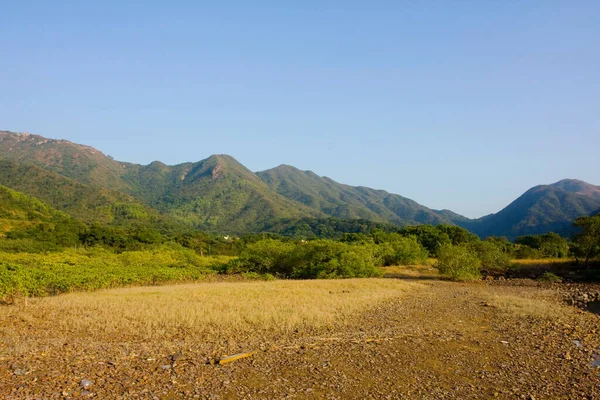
[209, 310]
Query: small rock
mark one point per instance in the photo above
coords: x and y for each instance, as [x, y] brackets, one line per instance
[19, 372]
[86, 383]
[177, 356]
[166, 367]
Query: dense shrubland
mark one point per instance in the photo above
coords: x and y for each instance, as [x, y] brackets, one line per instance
[59, 254]
[34, 274]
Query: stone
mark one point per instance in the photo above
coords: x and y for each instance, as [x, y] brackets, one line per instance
[86, 384]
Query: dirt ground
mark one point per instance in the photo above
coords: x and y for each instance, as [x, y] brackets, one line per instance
[439, 340]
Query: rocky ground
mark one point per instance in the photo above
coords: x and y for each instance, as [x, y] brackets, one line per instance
[449, 340]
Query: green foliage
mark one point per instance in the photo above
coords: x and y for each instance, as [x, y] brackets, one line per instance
[504, 244]
[549, 245]
[346, 202]
[313, 259]
[587, 242]
[549, 277]
[327, 228]
[491, 255]
[27, 246]
[84, 202]
[523, 252]
[395, 249]
[457, 234]
[459, 263]
[26, 274]
[430, 237]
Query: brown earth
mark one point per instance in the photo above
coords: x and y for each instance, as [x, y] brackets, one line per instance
[440, 340]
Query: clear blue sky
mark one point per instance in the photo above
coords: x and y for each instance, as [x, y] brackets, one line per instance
[455, 104]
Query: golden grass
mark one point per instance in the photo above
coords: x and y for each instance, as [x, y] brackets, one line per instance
[205, 309]
[528, 307]
[411, 272]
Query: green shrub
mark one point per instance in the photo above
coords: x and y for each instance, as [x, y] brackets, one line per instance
[549, 277]
[313, 259]
[524, 252]
[27, 246]
[401, 250]
[492, 256]
[28, 274]
[458, 263]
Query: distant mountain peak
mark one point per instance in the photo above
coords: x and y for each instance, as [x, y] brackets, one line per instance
[579, 187]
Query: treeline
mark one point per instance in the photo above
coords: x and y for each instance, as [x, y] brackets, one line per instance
[64, 232]
[354, 256]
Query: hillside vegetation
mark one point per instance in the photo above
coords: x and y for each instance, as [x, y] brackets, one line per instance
[218, 194]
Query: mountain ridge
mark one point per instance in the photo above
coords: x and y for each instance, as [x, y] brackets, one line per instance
[219, 193]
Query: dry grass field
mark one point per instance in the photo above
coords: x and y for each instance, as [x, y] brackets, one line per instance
[410, 335]
[210, 310]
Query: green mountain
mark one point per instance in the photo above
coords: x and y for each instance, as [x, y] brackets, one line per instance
[216, 194]
[19, 212]
[83, 202]
[219, 194]
[348, 202]
[83, 164]
[541, 209]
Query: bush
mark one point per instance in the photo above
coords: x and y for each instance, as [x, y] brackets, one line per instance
[492, 256]
[524, 252]
[400, 250]
[549, 277]
[314, 259]
[459, 263]
[29, 274]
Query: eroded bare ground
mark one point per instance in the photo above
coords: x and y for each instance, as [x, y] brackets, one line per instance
[441, 340]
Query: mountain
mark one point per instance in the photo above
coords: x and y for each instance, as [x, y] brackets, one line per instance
[81, 163]
[349, 202]
[215, 194]
[83, 202]
[220, 194]
[541, 209]
[19, 211]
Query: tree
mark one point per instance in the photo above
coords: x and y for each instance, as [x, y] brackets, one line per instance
[548, 244]
[459, 263]
[587, 242]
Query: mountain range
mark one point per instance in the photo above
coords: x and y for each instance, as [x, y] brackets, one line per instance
[219, 194]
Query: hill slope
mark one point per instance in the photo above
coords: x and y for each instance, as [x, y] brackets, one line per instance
[349, 202]
[83, 202]
[19, 212]
[81, 163]
[541, 209]
[217, 193]
[220, 194]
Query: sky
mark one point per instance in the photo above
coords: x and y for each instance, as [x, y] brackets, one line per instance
[459, 105]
